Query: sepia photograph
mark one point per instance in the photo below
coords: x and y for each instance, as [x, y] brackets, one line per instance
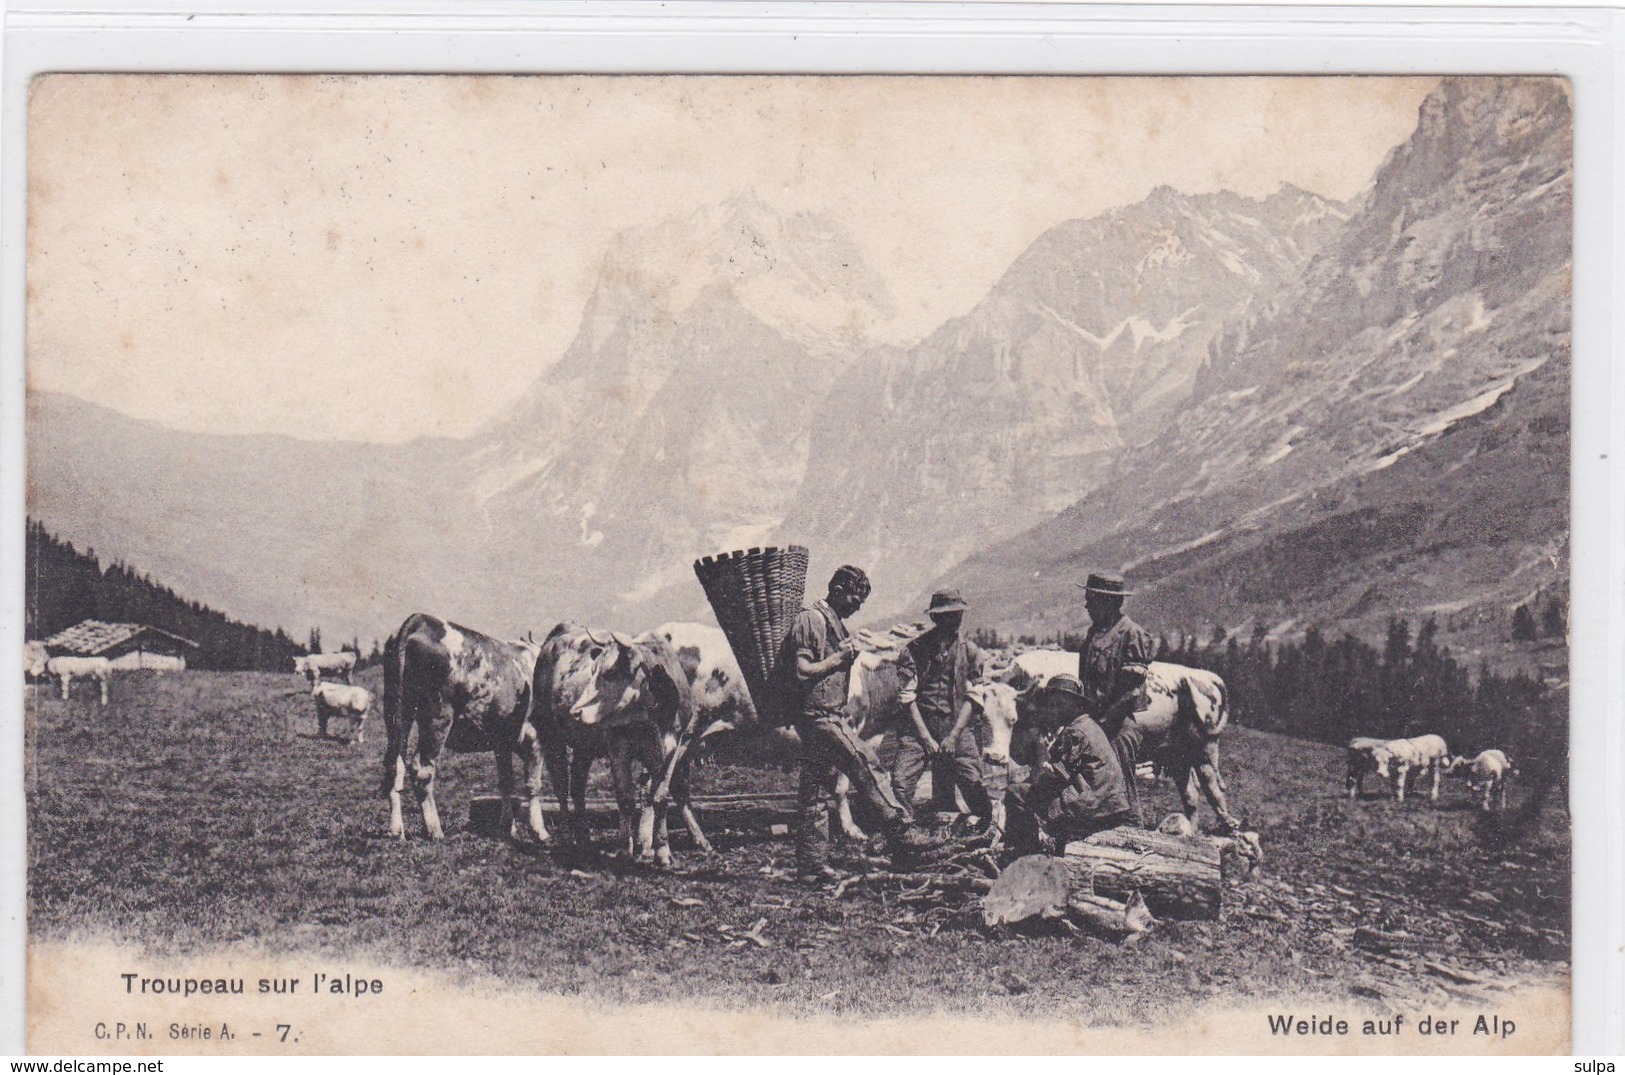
[798, 564]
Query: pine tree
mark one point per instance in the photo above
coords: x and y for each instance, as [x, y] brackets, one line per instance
[1553, 622]
[1523, 624]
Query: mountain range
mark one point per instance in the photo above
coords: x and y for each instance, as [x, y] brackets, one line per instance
[1279, 410]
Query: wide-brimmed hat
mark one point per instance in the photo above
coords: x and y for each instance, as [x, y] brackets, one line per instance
[1067, 684]
[1107, 585]
[946, 601]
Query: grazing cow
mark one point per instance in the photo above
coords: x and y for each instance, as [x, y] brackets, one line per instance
[312, 666]
[1487, 774]
[332, 700]
[602, 693]
[1417, 756]
[66, 668]
[477, 688]
[1186, 711]
[35, 659]
[1366, 757]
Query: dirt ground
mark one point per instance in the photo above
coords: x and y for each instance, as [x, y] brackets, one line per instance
[201, 809]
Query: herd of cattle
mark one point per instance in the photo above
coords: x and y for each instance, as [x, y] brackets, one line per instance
[584, 694]
[1397, 761]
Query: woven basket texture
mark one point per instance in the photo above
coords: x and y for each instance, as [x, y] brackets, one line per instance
[756, 595]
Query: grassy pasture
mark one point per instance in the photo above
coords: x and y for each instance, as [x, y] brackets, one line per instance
[199, 809]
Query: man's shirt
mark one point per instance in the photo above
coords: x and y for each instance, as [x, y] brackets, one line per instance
[817, 633]
[935, 673]
[1113, 661]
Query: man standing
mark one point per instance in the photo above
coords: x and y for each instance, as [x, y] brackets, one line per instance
[819, 651]
[1112, 667]
[1077, 788]
[941, 665]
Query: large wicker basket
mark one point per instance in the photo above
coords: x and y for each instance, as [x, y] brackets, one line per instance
[756, 595]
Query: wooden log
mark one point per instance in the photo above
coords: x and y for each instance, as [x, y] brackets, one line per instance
[1178, 877]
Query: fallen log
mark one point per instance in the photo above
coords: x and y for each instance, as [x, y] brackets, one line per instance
[1178, 877]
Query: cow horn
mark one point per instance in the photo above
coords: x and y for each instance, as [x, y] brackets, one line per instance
[593, 635]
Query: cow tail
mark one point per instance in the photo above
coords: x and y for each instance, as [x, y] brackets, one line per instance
[394, 726]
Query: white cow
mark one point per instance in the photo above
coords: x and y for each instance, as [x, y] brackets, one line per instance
[872, 707]
[35, 658]
[66, 668]
[1419, 756]
[1487, 774]
[311, 667]
[332, 700]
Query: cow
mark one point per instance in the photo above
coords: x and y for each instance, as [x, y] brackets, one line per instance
[1366, 757]
[1420, 755]
[35, 658]
[723, 704]
[476, 687]
[719, 690]
[312, 666]
[66, 668]
[721, 698]
[1186, 711]
[873, 709]
[603, 693]
[1487, 774]
[333, 700]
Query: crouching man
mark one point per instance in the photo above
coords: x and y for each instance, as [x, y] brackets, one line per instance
[1077, 788]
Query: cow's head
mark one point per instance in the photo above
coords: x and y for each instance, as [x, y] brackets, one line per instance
[35, 660]
[598, 676]
[995, 706]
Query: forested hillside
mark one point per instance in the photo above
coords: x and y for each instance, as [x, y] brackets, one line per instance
[65, 586]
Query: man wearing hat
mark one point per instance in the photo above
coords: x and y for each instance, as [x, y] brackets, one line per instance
[817, 654]
[1078, 788]
[1111, 668]
[937, 668]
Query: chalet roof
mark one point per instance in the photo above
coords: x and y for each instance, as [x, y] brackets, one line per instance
[91, 637]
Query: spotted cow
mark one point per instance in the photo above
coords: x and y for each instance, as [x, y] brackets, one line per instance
[1185, 712]
[1366, 757]
[605, 694]
[461, 690]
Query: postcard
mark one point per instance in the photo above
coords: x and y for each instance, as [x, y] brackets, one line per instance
[1047, 564]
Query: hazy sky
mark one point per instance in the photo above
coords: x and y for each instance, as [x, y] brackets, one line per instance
[375, 258]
